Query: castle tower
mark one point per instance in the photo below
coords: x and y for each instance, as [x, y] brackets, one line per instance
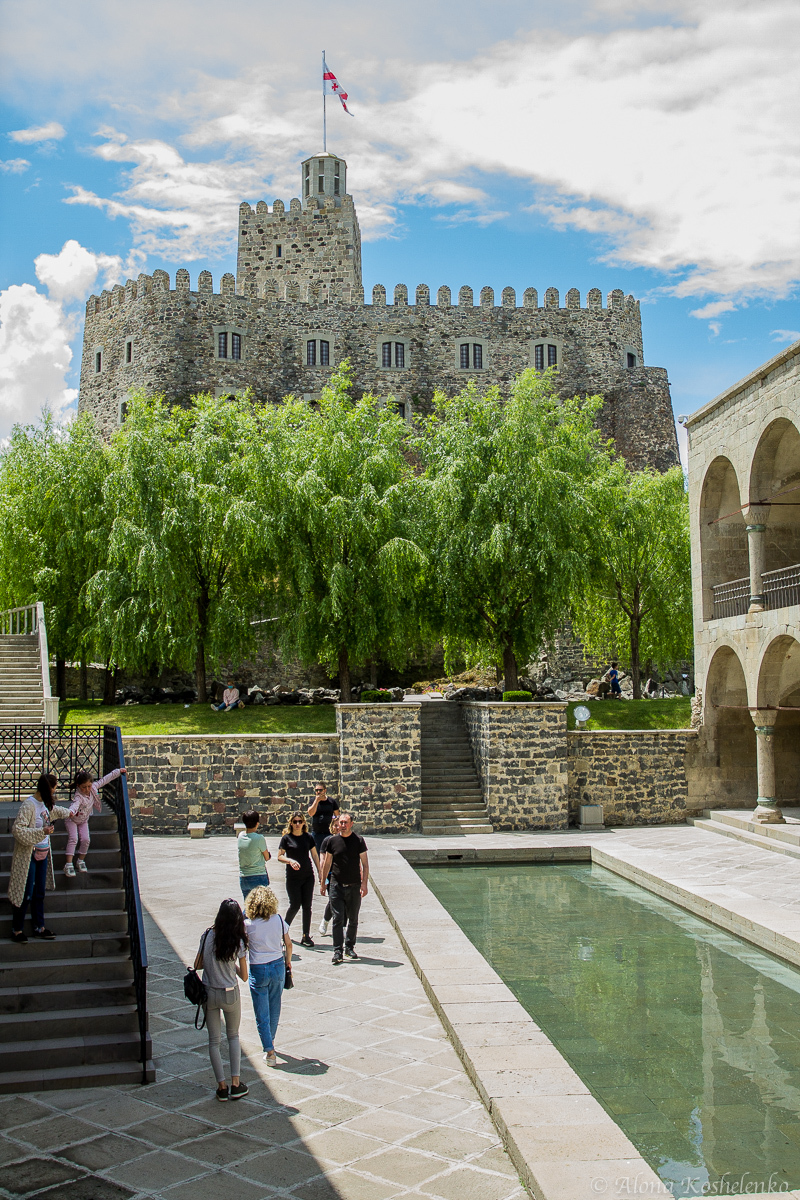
[313, 251]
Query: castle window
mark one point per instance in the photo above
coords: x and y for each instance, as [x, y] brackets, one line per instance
[98, 361]
[129, 351]
[631, 359]
[477, 356]
[228, 344]
[400, 409]
[279, 251]
[546, 352]
[336, 179]
[308, 177]
[311, 354]
[393, 355]
[471, 356]
[319, 348]
[324, 354]
[464, 356]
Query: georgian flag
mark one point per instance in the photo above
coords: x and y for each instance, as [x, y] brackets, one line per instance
[331, 86]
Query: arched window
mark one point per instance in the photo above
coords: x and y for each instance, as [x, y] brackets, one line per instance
[472, 355]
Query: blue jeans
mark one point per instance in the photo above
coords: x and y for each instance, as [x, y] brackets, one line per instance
[248, 882]
[266, 989]
[35, 887]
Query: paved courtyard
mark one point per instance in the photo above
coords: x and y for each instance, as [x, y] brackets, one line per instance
[369, 1100]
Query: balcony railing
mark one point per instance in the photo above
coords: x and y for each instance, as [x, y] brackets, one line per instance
[732, 599]
[778, 589]
[781, 588]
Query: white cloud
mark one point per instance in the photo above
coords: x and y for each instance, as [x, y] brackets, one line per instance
[715, 309]
[51, 132]
[35, 355]
[36, 331]
[785, 335]
[14, 166]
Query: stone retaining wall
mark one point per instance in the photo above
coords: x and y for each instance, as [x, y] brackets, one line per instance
[520, 752]
[379, 765]
[639, 776]
[200, 777]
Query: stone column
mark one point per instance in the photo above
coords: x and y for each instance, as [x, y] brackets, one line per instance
[756, 529]
[767, 810]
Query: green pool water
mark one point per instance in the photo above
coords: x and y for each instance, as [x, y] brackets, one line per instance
[688, 1037]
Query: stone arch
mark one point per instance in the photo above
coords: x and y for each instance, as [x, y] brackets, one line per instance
[779, 689]
[730, 733]
[723, 543]
[775, 475]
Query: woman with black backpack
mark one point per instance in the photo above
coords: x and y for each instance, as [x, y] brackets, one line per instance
[221, 957]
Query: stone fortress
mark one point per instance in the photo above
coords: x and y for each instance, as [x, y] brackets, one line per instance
[296, 309]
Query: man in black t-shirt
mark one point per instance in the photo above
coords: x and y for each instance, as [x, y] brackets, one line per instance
[322, 811]
[346, 859]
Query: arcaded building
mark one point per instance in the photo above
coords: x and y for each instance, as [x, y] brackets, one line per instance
[744, 487]
[296, 309]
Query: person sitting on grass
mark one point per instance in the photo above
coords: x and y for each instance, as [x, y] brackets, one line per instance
[230, 699]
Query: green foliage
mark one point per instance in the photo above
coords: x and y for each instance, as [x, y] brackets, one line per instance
[185, 550]
[505, 507]
[636, 598]
[379, 696]
[165, 719]
[54, 527]
[518, 696]
[342, 533]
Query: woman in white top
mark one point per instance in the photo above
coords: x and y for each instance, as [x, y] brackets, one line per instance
[222, 957]
[268, 941]
[32, 863]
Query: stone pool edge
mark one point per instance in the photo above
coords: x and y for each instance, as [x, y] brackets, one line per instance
[561, 1140]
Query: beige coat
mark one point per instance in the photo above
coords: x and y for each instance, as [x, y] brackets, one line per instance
[26, 835]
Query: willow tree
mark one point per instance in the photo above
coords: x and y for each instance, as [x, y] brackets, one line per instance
[185, 555]
[54, 530]
[506, 503]
[340, 530]
[637, 596]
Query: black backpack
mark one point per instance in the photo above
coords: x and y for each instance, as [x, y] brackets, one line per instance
[194, 989]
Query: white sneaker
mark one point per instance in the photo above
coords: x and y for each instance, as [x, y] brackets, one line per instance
[323, 927]
[69, 870]
[82, 866]
[271, 1058]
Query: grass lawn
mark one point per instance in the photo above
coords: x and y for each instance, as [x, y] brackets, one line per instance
[162, 719]
[675, 713]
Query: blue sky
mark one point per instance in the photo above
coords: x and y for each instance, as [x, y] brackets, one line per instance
[598, 143]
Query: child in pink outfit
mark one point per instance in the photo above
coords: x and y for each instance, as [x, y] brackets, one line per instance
[86, 800]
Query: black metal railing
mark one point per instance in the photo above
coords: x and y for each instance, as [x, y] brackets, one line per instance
[26, 751]
[781, 588]
[116, 797]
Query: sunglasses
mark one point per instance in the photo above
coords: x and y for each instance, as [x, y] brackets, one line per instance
[297, 822]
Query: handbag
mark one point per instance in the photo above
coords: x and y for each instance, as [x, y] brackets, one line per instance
[194, 989]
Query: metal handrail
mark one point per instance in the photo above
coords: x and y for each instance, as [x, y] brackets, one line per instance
[116, 796]
[782, 587]
[20, 622]
[731, 599]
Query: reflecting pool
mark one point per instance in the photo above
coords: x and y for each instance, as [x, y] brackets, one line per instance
[687, 1036]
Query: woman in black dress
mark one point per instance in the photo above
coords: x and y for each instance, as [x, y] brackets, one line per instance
[298, 852]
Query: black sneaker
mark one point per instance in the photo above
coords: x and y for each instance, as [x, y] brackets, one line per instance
[18, 936]
[46, 934]
[238, 1090]
[222, 1092]
[338, 957]
[305, 940]
[350, 952]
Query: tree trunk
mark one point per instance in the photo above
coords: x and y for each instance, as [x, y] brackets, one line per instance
[373, 673]
[109, 685]
[636, 670]
[200, 673]
[344, 676]
[83, 683]
[510, 668]
[61, 679]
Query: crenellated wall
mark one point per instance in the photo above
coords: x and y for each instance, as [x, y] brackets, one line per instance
[165, 340]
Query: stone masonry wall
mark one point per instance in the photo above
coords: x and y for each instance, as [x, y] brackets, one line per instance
[638, 776]
[379, 766]
[520, 752]
[198, 777]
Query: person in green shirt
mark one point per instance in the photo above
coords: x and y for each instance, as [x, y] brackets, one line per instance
[253, 855]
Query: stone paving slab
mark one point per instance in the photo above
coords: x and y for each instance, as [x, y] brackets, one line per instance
[369, 1101]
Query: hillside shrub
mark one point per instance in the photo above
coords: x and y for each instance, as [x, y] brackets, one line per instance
[517, 696]
[377, 697]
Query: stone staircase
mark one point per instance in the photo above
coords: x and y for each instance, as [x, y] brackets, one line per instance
[739, 825]
[68, 1015]
[21, 693]
[452, 799]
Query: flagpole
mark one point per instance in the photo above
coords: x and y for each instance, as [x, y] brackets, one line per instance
[324, 113]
